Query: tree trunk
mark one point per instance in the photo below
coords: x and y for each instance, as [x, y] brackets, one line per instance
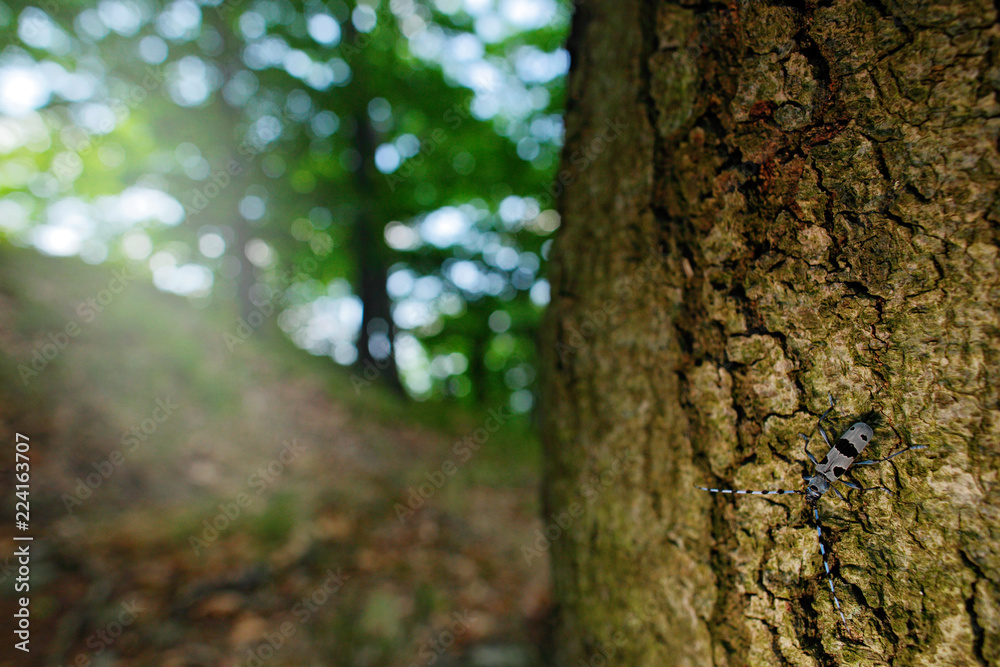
[764, 205]
[369, 247]
[376, 319]
[226, 214]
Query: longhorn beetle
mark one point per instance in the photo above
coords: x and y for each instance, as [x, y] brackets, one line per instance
[831, 469]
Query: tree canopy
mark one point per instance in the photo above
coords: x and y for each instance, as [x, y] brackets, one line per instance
[372, 176]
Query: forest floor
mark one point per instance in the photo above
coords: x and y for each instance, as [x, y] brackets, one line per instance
[193, 504]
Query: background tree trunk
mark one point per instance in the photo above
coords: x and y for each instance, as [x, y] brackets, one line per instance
[373, 270]
[764, 204]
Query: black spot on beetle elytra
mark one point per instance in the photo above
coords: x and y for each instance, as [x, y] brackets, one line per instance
[826, 459]
[847, 448]
[838, 471]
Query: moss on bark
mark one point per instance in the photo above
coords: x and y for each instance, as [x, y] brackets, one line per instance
[803, 201]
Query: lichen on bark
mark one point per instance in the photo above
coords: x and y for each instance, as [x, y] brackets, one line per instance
[818, 189]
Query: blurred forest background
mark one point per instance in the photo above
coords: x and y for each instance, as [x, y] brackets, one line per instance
[270, 275]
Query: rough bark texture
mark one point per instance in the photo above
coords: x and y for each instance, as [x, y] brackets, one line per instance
[794, 200]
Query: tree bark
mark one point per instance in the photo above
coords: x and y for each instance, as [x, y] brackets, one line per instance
[765, 204]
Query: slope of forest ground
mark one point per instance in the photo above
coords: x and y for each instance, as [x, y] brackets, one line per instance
[193, 504]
